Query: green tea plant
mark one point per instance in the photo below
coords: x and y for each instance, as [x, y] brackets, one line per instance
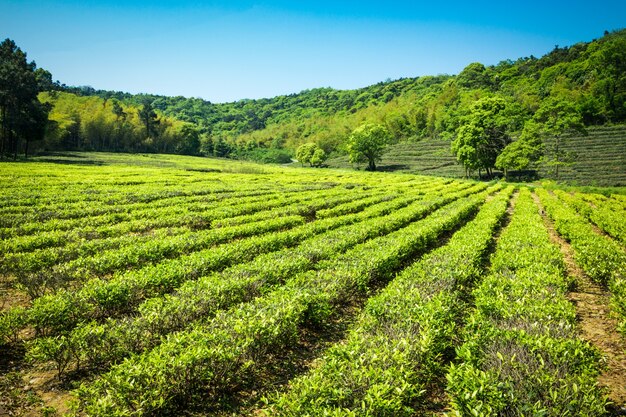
[601, 257]
[195, 300]
[399, 344]
[606, 214]
[219, 352]
[522, 355]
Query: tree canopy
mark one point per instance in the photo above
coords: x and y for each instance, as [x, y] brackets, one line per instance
[588, 76]
[311, 153]
[92, 123]
[554, 118]
[367, 143]
[518, 155]
[483, 134]
[22, 117]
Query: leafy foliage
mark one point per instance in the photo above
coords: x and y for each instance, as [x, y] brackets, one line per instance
[397, 345]
[601, 257]
[586, 80]
[553, 119]
[367, 143]
[521, 355]
[310, 153]
[22, 116]
[159, 282]
[518, 155]
[201, 355]
[92, 123]
[483, 134]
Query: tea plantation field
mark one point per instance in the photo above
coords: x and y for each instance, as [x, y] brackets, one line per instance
[168, 285]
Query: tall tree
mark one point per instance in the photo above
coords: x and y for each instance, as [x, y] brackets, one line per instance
[609, 63]
[367, 143]
[518, 155]
[22, 116]
[120, 120]
[483, 134]
[188, 140]
[117, 110]
[149, 118]
[474, 76]
[318, 157]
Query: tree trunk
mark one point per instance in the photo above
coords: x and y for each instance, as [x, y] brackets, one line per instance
[372, 165]
[2, 142]
[14, 142]
[557, 156]
[3, 131]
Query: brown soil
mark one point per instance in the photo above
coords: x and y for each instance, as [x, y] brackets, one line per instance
[596, 324]
[26, 391]
[50, 390]
[10, 296]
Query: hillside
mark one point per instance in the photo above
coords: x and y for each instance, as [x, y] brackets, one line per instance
[598, 158]
[588, 79]
[426, 157]
[589, 73]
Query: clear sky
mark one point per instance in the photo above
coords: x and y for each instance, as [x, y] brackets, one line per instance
[229, 50]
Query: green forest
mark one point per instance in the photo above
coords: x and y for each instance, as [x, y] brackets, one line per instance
[495, 117]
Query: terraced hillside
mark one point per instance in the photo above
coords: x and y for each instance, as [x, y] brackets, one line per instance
[157, 285]
[426, 157]
[596, 159]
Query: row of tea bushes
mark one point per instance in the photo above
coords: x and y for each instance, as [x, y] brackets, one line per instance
[216, 355]
[522, 355]
[399, 346]
[601, 257]
[110, 342]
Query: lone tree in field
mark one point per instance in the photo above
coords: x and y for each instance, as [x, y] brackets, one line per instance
[22, 116]
[311, 153]
[367, 143]
[483, 134]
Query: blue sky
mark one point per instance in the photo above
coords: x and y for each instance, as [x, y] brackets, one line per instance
[224, 51]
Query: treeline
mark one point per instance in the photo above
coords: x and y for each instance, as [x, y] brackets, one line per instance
[270, 130]
[589, 77]
[92, 123]
[22, 117]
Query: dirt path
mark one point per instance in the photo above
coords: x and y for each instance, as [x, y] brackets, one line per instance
[595, 323]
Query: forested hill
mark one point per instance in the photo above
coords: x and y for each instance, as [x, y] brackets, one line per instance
[287, 121]
[591, 74]
[588, 78]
